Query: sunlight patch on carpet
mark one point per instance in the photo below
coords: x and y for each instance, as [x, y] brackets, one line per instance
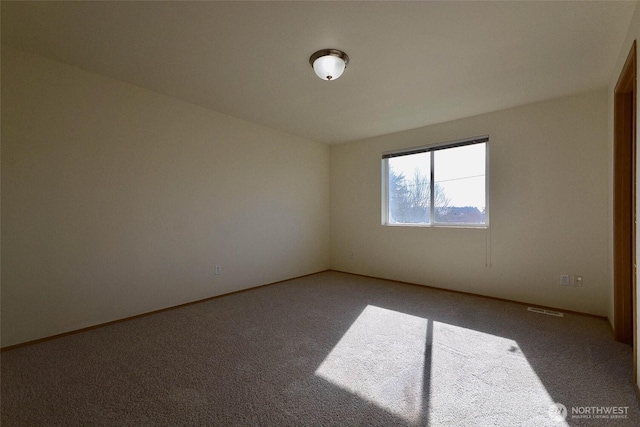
[481, 378]
[437, 373]
[381, 359]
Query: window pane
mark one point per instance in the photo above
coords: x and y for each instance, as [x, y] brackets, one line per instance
[409, 189]
[459, 175]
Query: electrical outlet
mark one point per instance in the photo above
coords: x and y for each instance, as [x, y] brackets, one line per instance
[565, 280]
[218, 270]
[577, 281]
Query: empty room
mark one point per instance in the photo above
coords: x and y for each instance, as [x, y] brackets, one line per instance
[306, 213]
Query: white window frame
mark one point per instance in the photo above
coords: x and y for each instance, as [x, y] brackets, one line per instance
[431, 148]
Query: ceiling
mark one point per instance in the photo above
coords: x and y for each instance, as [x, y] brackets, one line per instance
[412, 63]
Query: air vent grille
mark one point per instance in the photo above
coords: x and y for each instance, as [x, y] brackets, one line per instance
[545, 311]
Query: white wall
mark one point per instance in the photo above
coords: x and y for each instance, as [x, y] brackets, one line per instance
[632, 34]
[548, 208]
[118, 201]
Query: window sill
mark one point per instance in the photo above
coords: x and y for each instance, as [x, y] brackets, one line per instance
[467, 226]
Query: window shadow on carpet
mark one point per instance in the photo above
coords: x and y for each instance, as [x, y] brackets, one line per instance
[429, 372]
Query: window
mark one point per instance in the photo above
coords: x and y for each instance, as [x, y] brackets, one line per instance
[442, 185]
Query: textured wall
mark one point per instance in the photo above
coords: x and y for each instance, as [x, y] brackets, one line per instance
[548, 208]
[117, 200]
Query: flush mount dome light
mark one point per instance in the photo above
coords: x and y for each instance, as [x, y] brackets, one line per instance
[329, 64]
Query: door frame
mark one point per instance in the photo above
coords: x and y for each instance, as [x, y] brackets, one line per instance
[624, 205]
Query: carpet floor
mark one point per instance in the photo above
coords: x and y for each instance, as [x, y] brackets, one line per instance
[328, 349]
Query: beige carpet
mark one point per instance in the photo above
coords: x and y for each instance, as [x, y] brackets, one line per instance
[327, 349]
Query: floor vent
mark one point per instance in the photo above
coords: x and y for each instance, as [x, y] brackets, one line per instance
[544, 311]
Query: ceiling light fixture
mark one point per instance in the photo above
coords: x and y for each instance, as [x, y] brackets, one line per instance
[329, 64]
